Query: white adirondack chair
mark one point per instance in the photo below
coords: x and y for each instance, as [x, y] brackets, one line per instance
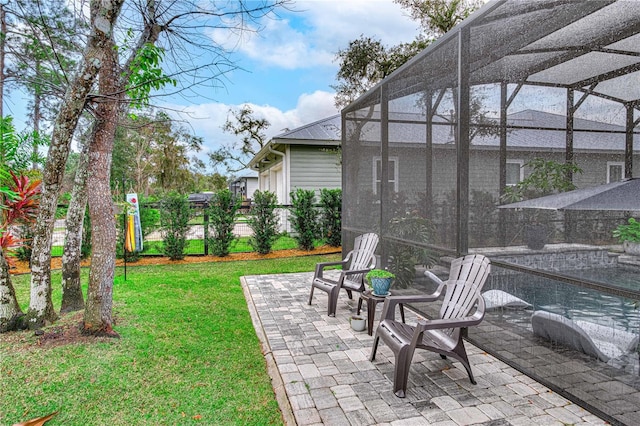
[355, 265]
[442, 335]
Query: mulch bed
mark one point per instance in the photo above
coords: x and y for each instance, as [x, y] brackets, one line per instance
[22, 267]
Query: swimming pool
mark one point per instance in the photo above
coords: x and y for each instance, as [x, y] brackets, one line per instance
[576, 302]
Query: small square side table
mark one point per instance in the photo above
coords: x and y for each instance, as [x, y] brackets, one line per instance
[372, 300]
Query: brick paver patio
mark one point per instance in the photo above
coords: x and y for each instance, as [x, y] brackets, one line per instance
[322, 374]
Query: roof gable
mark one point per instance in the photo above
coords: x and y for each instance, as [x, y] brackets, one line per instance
[327, 129]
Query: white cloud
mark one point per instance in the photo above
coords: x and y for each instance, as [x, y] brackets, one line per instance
[206, 120]
[311, 36]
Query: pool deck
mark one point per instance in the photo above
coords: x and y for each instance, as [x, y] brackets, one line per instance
[321, 372]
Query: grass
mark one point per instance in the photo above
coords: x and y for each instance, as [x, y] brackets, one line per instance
[196, 246]
[188, 354]
[241, 245]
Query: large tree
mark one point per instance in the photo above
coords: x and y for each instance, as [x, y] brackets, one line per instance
[366, 61]
[170, 156]
[174, 28]
[436, 17]
[98, 308]
[72, 298]
[103, 15]
[40, 50]
[250, 129]
[181, 29]
[152, 152]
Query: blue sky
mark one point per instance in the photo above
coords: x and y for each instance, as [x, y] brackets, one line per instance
[289, 64]
[287, 67]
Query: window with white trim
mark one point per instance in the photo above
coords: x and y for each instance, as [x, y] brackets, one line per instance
[515, 172]
[377, 173]
[615, 171]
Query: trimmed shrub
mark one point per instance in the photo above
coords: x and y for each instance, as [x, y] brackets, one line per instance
[23, 252]
[263, 221]
[331, 216]
[223, 209]
[175, 212]
[149, 219]
[305, 218]
[85, 247]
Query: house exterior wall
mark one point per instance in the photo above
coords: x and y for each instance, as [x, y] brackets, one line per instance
[306, 167]
[313, 168]
[412, 176]
[252, 186]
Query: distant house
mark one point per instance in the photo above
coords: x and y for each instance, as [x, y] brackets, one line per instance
[244, 186]
[598, 148]
[306, 157]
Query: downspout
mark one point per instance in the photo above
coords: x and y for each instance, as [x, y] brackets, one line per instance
[283, 219]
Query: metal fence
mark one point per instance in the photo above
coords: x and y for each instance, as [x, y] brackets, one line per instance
[196, 234]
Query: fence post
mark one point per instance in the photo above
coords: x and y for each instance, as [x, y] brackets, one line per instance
[206, 230]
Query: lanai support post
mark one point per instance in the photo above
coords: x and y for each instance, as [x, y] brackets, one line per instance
[628, 146]
[428, 195]
[502, 214]
[569, 224]
[385, 190]
[463, 143]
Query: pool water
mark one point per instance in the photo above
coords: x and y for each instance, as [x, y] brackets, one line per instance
[623, 277]
[575, 302]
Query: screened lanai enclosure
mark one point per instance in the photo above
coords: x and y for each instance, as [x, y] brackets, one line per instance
[522, 99]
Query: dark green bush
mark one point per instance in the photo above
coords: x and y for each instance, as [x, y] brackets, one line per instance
[174, 224]
[149, 219]
[23, 252]
[331, 216]
[223, 209]
[304, 218]
[85, 247]
[263, 220]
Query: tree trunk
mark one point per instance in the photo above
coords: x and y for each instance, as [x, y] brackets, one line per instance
[10, 312]
[37, 116]
[97, 314]
[72, 299]
[3, 30]
[103, 16]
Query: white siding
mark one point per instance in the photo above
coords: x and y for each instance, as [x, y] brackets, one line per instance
[252, 186]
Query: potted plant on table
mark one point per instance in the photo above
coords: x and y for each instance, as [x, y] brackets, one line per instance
[629, 235]
[380, 281]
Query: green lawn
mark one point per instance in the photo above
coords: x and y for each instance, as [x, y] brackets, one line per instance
[241, 245]
[188, 354]
[196, 247]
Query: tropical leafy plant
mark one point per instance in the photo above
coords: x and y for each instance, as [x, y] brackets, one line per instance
[19, 206]
[19, 151]
[403, 257]
[546, 177]
[5, 191]
[628, 232]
